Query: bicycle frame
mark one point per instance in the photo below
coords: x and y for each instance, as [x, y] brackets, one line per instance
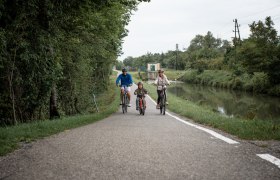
[141, 105]
[124, 100]
[163, 101]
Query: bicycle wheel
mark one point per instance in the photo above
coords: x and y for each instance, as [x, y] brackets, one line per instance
[160, 106]
[126, 102]
[164, 104]
[140, 106]
[144, 107]
[123, 104]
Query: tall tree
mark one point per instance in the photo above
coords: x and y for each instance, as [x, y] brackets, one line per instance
[260, 52]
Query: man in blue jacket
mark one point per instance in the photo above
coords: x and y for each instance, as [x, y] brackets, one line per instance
[126, 82]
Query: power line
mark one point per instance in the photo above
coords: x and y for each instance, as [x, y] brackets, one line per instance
[243, 17]
[276, 17]
[249, 21]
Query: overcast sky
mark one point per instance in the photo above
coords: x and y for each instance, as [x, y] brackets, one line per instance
[157, 26]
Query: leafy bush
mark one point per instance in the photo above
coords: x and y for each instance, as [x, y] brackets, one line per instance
[275, 91]
[237, 83]
[260, 82]
[216, 63]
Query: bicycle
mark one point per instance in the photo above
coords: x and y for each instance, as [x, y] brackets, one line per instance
[124, 101]
[142, 106]
[162, 101]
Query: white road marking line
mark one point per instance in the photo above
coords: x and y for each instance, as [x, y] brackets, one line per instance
[270, 158]
[213, 133]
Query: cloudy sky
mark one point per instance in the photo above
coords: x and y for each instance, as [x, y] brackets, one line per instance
[157, 26]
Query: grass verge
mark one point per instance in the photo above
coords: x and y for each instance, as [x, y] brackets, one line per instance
[173, 74]
[242, 128]
[10, 137]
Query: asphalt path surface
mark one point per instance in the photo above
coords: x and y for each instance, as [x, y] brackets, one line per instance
[132, 146]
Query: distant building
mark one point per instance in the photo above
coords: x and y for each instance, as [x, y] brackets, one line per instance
[153, 67]
[152, 70]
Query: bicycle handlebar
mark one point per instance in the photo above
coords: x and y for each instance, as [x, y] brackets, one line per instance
[124, 85]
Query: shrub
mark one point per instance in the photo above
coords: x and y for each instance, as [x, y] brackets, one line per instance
[237, 83]
[216, 63]
[248, 86]
[275, 91]
[238, 71]
[189, 77]
[260, 82]
[200, 70]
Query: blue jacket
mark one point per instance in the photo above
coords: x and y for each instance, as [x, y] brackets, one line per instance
[126, 80]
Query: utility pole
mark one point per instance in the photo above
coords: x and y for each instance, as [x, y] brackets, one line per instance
[236, 40]
[177, 47]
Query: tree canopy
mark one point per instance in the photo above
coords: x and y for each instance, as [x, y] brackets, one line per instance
[57, 53]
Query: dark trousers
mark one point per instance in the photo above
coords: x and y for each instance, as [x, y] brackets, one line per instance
[158, 93]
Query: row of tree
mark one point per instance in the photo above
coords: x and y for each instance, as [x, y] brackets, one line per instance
[260, 52]
[55, 53]
[201, 48]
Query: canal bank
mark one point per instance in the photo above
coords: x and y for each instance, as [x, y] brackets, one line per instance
[230, 103]
[258, 82]
[250, 129]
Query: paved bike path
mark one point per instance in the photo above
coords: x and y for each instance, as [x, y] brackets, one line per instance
[131, 146]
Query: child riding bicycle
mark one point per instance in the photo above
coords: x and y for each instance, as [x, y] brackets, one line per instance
[140, 92]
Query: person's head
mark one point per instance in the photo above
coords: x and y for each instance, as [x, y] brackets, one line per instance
[124, 71]
[140, 85]
[160, 72]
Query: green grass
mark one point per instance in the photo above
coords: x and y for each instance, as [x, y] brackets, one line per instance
[174, 75]
[242, 128]
[10, 137]
[216, 78]
[257, 82]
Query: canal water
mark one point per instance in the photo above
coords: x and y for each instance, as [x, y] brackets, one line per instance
[230, 103]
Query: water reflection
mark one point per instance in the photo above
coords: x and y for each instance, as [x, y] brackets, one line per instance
[230, 103]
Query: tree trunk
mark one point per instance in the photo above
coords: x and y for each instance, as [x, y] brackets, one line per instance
[76, 106]
[11, 89]
[53, 104]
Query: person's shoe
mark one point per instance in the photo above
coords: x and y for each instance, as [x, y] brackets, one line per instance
[137, 108]
[158, 106]
[121, 103]
[129, 105]
[166, 103]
